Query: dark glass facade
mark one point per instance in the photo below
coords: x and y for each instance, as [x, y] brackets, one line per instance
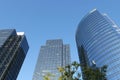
[53, 55]
[98, 40]
[13, 49]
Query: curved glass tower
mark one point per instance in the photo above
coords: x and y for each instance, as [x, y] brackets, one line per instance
[98, 40]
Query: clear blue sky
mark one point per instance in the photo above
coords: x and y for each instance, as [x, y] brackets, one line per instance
[50, 19]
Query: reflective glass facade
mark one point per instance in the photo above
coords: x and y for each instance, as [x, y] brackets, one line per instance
[98, 39]
[53, 55]
[12, 53]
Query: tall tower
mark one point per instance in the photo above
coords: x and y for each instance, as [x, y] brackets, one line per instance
[13, 49]
[98, 41]
[54, 54]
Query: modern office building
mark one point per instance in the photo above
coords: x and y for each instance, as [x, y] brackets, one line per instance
[52, 55]
[13, 49]
[98, 41]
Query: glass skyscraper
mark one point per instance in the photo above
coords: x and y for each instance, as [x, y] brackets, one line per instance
[52, 55]
[13, 49]
[98, 41]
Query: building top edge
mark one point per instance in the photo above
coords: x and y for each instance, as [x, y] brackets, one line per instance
[93, 10]
[20, 33]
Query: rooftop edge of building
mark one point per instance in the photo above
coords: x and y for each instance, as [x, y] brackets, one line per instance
[20, 33]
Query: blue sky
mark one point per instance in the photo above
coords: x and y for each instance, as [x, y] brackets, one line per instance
[50, 19]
